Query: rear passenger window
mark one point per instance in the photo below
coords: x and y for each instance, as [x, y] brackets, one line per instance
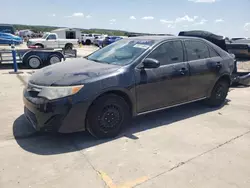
[196, 50]
[168, 53]
[213, 53]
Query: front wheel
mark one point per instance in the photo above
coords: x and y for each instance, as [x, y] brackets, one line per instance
[34, 62]
[88, 42]
[219, 94]
[107, 116]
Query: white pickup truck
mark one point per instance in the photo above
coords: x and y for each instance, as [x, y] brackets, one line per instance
[89, 38]
[51, 40]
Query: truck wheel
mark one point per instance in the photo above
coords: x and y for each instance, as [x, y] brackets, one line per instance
[107, 116]
[53, 59]
[219, 94]
[68, 47]
[34, 62]
[88, 42]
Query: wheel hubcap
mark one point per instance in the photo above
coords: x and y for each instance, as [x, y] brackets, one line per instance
[110, 118]
[34, 62]
[54, 60]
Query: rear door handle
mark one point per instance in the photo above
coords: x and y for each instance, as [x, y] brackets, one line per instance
[218, 65]
[183, 71]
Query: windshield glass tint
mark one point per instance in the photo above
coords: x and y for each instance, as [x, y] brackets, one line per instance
[45, 36]
[121, 52]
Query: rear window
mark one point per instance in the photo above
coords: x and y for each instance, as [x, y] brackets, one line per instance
[196, 50]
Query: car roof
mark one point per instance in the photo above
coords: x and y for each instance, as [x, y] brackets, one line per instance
[161, 38]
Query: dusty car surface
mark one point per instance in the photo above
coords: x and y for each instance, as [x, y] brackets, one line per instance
[131, 77]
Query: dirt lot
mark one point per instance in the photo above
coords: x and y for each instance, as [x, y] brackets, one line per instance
[188, 146]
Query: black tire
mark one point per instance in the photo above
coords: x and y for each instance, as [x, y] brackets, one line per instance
[107, 116]
[88, 42]
[34, 62]
[68, 47]
[53, 59]
[219, 94]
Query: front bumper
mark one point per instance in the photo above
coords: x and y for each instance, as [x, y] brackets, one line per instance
[55, 116]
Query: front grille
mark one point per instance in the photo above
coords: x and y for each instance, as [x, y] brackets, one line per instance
[31, 116]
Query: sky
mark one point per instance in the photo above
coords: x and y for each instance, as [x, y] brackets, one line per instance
[229, 18]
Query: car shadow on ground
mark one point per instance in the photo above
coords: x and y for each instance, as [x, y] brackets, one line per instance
[53, 144]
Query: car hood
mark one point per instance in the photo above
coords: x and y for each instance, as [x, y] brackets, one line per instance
[9, 36]
[37, 40]
[74, 72]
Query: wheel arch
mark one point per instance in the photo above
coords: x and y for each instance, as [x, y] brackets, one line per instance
[119, 92]
[225, 77]
[39, 44]
[68, 44]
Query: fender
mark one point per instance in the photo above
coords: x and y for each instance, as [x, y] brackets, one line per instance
[213, 84]
[129, 96]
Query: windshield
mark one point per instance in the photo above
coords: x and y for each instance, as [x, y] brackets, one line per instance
[45, 35]
[7, 29]
[121, 52]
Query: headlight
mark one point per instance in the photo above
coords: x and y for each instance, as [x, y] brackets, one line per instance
[59, 92]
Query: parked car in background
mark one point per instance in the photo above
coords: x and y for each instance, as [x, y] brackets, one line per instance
[51, 40]
[109, 40]
[98, 41]
[25, 33]
[240, 47]
[7, 35]
[89, 38]
[130, 77]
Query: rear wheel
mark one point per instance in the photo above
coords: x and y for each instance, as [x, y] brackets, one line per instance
[53, 59]
[107, 116]
[68, 47]
[219, 94]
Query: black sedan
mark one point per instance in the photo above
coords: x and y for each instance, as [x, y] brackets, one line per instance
[131, 77]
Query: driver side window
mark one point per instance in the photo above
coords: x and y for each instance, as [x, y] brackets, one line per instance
[51, 37]
[168, 53]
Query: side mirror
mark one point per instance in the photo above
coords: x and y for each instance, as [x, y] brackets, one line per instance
[150, 63]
